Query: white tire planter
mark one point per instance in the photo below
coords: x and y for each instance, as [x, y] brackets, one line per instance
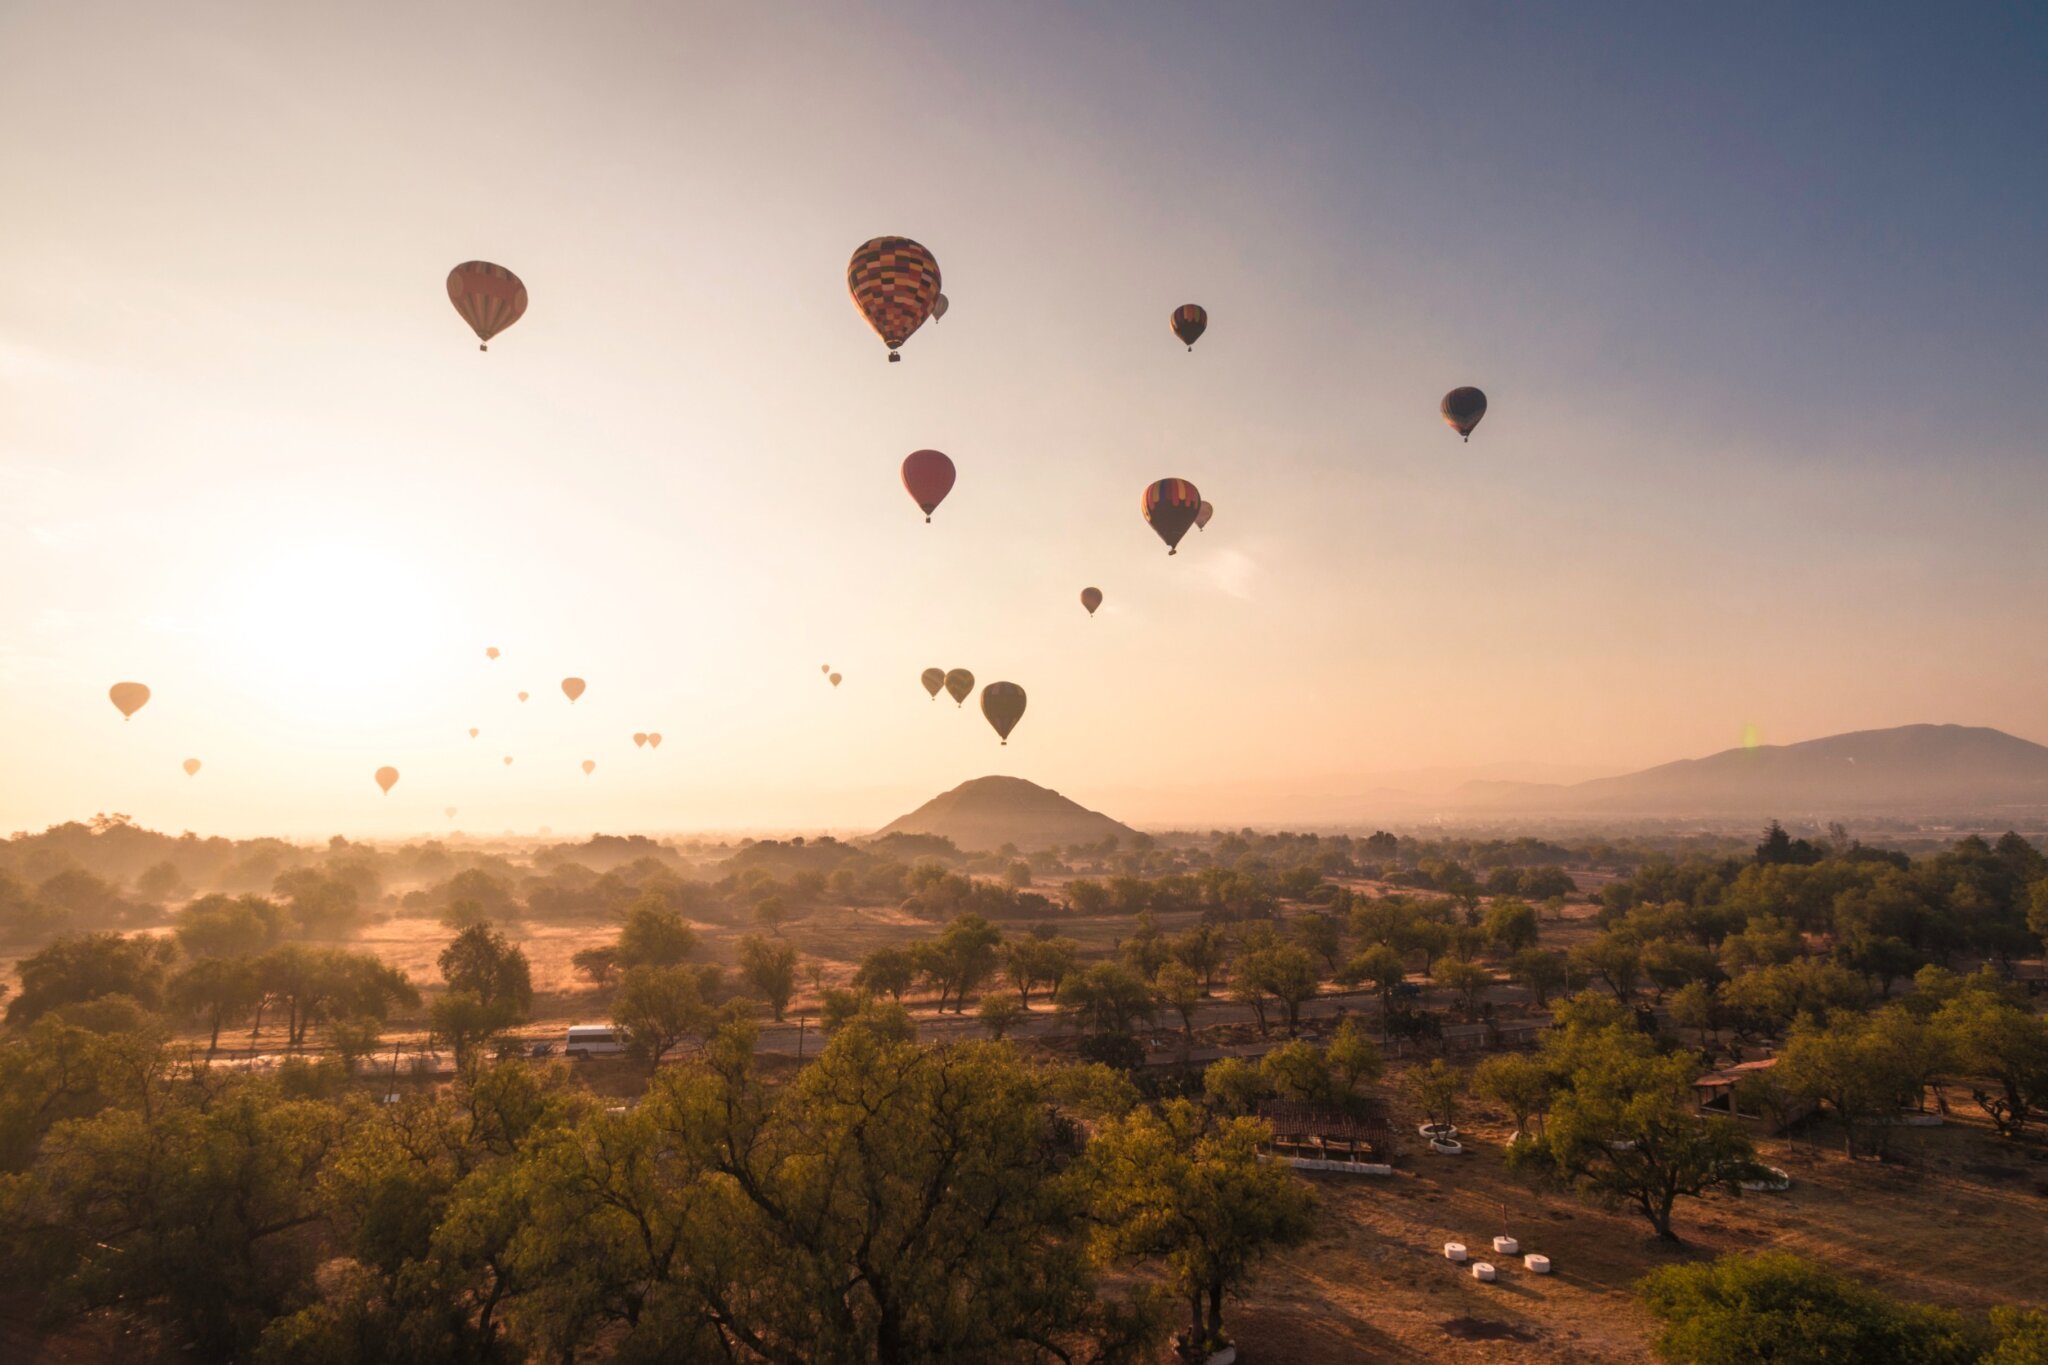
[1482, 1271]
[1506, 1246]
[1454, 1252]
[1437, 1130]
[1447, 1146]
[1537, 1265]
[1780, 1181]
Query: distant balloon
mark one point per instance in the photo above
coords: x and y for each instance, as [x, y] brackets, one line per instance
[1463, 408]
[450, 812]
[895, 284]
[489, 297]
[1003, 704]
[128, 697]
[491, 653]
[191, 766]
[472, 732]
[640, 739]
[1091, 598]
[824, 668]
[1189, 321]
[522, 696]
[572, 688]
[835, 680]
[589, 766]
[387, 778]
[959, 685]
[1202, 516]
[933, 679]
[939, 307]
[1171, 506]
[927, 477]
[508, 760]
[653, 740]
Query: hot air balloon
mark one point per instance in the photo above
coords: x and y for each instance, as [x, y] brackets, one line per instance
[1171, 505]
[653, 740]
[933, 679]
[959, 684]
[824, 668]
[387, 778]
[450, 812]
[128, 698]
[1463, 408]
[1003, 704]
[894, 283]
[491, 653]
[927, 477]
[572, 688]
[472, 732]
[835, 680]
[1091, 598]
[508, 760]
[489, 297]
[191, 767]
[1189, 321]
[589, 766]
[522, 696]
[640, 739]
[1203, 514]
[939, 307]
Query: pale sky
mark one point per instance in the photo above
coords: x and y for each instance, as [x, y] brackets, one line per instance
[1756, 292]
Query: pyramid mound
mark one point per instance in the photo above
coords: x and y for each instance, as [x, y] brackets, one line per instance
[992, 811]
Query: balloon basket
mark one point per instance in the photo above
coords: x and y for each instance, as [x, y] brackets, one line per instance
[893, 357]
[482, 347]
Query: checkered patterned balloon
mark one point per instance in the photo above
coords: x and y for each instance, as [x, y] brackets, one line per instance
[895, 284]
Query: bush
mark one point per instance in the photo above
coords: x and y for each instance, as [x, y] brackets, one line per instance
[1779, 1307]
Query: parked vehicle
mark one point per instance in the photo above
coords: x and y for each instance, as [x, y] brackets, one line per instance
[593, 1040]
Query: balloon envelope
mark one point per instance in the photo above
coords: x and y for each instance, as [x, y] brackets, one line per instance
[640, 739]
[653, 740]
[1091, 598]
[1463, 408]
[451, 812]
[933, 679]
[1003, 704]
[1171, 506]
[522, 696]
[572, 688]
[128, 697]
[589, 766]
[491, 653]
[191, 766]
[489, 297]
[927, 477]
[894, 283]
[508, 760]
[1202, 515]
[939, 307]
[387, 778]
[835, 680]
[1190, 320]
[959, 684]
[472, 732]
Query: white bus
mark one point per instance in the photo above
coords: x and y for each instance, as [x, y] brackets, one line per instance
[593, 1040]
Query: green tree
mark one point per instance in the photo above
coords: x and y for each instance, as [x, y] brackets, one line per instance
[218, 991]
[999, 1014]
[1537, 972]
[1300, 1073]
[654, 935]
[1178, 1185]
[2004, 1050]
[488, 965]
[81, 967]
[1518, 1083]
[1354, 1058]
[1468, 979]
[770, 969]
[1436, 1089]
[1511, 925]
[1779, 1307]
[886, 971]
[657, 1008]
[1107, 998]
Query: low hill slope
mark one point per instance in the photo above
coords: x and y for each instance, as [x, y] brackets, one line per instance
[992, 811]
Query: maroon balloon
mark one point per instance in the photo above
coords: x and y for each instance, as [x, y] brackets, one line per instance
[928, 477]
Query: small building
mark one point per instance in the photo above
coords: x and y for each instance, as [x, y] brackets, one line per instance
[1314, 1139]
[1715, 1093]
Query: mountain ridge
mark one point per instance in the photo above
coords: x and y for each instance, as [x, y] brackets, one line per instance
[988, 812]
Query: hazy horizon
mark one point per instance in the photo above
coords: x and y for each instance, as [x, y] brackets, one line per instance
[1756, 299]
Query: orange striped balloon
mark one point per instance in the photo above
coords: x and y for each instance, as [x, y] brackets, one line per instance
[1189, 321]
[489, 297]
[1170, 507]
[895, 284]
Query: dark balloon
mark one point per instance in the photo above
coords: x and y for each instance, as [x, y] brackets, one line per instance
[1190, 320]
[489, 297]
[933, 679]
[1463, 408]
[895, 284]
[1171, 506]
[927, 477]
[959, 685]
[1202, 515]
[1091, 598]
[1003, 704]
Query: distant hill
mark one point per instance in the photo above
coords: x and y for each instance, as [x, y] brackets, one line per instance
[1910, 769]
[992, 811]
